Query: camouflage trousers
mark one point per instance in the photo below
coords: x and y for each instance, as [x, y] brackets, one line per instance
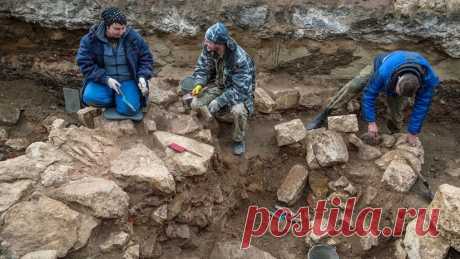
[395, 104]
[239, 113]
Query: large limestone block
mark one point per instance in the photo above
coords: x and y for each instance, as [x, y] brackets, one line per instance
[45, 224]
[330, 149]
[293, 185]
[141, 165]
[187, 164]
[290, 132]
[103, 198]
[400, 176]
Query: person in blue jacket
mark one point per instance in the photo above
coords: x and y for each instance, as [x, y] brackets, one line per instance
[116, 63]
[399, 75]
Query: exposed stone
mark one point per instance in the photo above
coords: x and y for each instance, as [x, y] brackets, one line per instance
[38, 157]
[139, 164]
[365, 152]
[342, 184]
[343, 123]
[117, 128]
[400, 176]
[10, 193]
[178, 231]
[310, 139]
[187, 164]
[368, 242]
[87, 146]
[149, 125]
[17, 143]
[204, 135]
[412, 160]
[318, 184]
[417, 150]
[102, 197]
[370, 194]
[86, 116]
[9, 115]
[44, 254]
[160, 214]
[232, 250]
[184, 124]
[424, 247]
[447, 199]
[388, 141]
[263, 101]
[88, 223]
[3, 134]
[162, 97]
[58, 124]
[56, 175]
[177, 204]
[45, 224]
[400, 252]
[330, 149]
[290, 132]
[455, 172]
[132, 252]
[115, 241]
[293, 185]
[285, 98]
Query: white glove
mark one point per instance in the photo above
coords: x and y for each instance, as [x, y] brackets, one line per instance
[143, 86]
[213, 106]
[114, 84]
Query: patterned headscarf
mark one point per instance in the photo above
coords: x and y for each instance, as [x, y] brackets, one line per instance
[113, 15]
[217, 33]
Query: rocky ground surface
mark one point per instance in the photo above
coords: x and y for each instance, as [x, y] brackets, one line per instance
[85, 187]
[78, 186]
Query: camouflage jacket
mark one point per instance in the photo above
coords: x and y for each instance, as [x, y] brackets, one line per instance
[239, 75]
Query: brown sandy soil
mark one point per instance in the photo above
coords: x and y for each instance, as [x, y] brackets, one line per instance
[249, 180]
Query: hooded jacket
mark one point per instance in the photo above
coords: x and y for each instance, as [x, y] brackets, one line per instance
[90, 56]
[385, 66]
[239, 75]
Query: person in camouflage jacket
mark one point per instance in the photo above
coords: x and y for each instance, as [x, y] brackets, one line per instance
[225, 80]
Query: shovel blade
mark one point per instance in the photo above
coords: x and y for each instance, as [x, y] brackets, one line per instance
[318, 120]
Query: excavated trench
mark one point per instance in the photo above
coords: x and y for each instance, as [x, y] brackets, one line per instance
[37, 62]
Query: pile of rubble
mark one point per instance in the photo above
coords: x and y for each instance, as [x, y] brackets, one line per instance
[67, 189]
[83, 192]
[393, 160]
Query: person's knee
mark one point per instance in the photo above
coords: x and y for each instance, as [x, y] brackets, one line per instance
[196, 104]
[128, 109]
[239, 110]
[96, 98]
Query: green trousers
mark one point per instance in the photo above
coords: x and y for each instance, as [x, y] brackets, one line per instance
[395, 104]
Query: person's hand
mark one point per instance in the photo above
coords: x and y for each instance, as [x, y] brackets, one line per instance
[373, 130]
[412, 139]
[114, 84]
[197, 90]
[213, 106]
[143, 86]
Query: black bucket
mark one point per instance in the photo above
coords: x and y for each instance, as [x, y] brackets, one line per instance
[323, 252]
